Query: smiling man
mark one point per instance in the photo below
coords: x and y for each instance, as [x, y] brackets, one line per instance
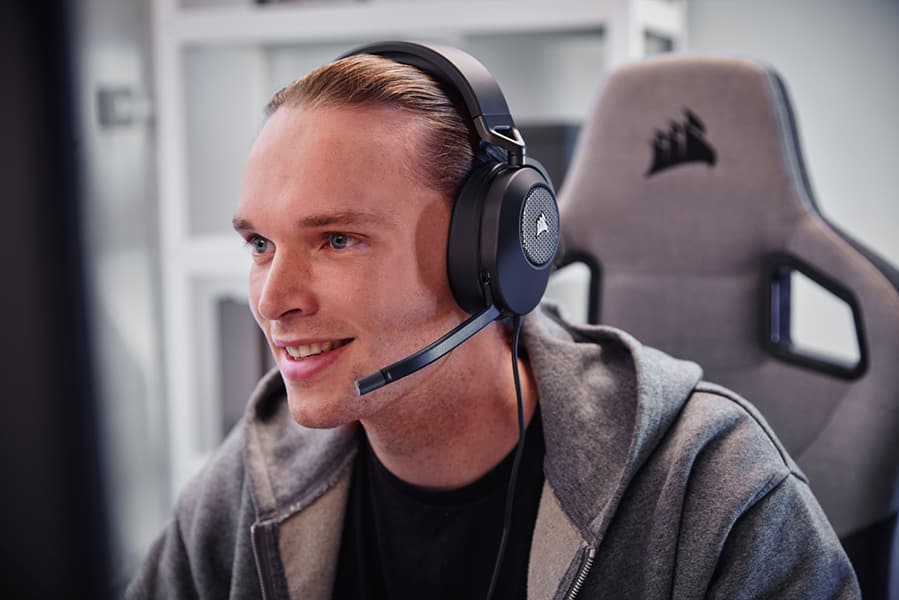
[637, 480]
[348, 236]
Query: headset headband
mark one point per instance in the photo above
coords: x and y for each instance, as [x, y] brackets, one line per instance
[483, 99]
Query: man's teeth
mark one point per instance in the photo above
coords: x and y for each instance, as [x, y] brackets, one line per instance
[312, 349]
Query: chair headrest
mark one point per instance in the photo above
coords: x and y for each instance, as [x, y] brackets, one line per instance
[686, 149]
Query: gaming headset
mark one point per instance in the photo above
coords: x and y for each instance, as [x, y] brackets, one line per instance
[504, 230]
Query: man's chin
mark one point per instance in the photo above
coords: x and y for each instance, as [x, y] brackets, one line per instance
[310, 410]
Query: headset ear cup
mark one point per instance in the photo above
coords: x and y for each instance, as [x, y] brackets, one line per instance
[519, 238]
[464, 241]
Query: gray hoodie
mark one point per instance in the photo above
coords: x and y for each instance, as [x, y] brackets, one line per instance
[657, 485]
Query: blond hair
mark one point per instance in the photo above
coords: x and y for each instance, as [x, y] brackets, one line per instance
[447, 144]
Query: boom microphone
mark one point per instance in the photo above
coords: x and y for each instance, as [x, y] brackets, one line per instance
[429, 353]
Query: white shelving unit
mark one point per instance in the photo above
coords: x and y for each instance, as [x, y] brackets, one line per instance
[216, 65]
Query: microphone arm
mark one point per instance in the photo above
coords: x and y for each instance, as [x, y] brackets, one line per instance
[429, 353]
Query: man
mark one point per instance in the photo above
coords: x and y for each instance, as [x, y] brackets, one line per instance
[637, 481]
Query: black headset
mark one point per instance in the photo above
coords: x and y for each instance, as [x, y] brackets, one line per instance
[504, 231]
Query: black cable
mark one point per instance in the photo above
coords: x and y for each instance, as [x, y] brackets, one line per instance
[510, 492]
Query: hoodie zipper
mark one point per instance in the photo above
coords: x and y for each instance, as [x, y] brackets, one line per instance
[582, 573]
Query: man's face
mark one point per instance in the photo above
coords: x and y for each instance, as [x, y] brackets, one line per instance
[349, 251]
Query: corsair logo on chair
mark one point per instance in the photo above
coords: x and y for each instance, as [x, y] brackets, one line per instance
[683, 143]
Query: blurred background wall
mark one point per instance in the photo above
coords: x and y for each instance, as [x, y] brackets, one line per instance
[145, 259]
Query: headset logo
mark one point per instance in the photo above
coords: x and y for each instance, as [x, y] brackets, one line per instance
[542, 225]
[683, 143]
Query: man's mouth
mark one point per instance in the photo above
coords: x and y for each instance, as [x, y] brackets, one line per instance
[315, 348]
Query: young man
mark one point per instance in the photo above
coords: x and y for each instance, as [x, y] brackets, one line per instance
[638, 480]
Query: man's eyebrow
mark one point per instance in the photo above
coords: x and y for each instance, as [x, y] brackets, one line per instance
[346, 217]
[241, 224]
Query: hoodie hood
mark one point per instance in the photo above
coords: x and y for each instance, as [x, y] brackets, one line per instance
[606, 401]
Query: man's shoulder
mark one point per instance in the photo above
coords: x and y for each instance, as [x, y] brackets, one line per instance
[730, 452]
[645, 421]
[660, 401]
[725, 414]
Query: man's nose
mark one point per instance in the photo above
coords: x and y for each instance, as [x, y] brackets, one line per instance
[287, 289]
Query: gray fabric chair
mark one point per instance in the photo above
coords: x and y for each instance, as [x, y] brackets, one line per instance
[689, 198]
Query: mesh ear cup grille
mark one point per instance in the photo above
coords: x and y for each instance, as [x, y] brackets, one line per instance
[539, 226]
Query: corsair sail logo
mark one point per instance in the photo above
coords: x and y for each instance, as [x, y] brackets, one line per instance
[683, 143]
[542, 225]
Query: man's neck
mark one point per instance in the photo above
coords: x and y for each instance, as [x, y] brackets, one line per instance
[461, 423]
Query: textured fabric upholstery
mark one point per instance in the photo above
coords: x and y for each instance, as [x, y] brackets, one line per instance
[682, 253]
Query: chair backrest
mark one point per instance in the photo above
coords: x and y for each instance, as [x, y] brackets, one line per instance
[689, 195]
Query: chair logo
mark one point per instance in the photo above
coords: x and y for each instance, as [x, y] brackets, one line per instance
[542, 225]
[683, 143]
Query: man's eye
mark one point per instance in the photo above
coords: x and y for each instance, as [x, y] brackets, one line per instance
[258, 245]
[340, 241]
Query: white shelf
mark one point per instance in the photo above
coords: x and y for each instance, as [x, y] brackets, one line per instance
[297, 24]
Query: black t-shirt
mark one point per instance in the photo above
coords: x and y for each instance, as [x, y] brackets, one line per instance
[401, 541]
